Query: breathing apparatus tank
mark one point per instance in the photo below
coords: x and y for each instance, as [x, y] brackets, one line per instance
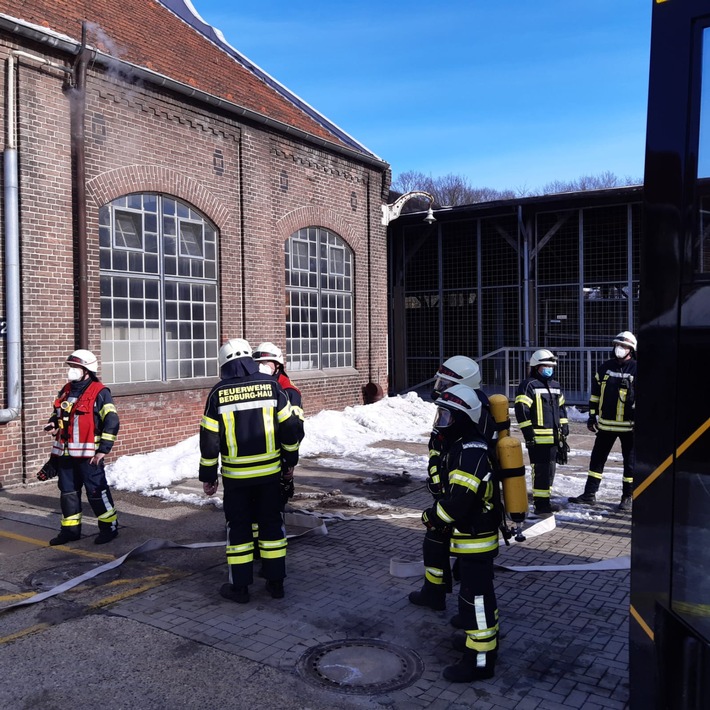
[510, 466]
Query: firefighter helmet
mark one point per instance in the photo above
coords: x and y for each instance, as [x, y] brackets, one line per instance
[268, 351]
[457, 370]
[457, 398]
[626, 339]
[543, 357]
[234, 348]
[85, 359]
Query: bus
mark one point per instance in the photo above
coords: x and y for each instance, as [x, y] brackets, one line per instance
[669, 649]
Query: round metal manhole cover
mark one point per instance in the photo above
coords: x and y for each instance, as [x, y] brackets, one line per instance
[360, 666]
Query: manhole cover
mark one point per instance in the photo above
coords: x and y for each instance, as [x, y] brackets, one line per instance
[360, 666]
[47, 579]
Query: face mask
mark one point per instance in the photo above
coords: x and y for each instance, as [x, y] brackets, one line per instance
[621, 352]
[74, 374]
[265, 368]
[546, 371]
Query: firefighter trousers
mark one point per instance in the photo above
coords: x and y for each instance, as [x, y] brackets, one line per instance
[543, 466]
[261, 503]
[437, 565]
[478, 608]
[603, 443]
[73, 474]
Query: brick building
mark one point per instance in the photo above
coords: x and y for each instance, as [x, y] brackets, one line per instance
[169, 195]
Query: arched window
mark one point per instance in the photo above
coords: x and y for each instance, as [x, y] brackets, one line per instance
[319, 295]
[158, 260]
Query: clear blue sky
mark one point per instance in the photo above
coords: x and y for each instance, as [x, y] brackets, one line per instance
[511, 94]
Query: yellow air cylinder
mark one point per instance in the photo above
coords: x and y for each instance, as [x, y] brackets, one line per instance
[499, 411]
[512, 473]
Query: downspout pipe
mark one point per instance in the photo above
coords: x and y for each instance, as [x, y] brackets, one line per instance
[13, 343]
[12, 243]
[77, 97]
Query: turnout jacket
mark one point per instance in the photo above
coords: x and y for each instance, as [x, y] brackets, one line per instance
[613, 395]
[249, 424]
[295, 399]
[487, 426]
[467, 507]
[540, 410]
[87, 419]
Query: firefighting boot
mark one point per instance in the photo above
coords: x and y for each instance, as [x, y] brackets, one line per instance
[234, 594]
[275, 587]
[589, 497]
[67, 534]
[543, 507]
[429, 596]
[466, 670]
[626, 498]
[106, 534]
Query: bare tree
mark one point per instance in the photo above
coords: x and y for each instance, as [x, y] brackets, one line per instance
[451, 190]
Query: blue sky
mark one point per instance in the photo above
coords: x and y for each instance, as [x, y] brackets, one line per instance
[511, 94]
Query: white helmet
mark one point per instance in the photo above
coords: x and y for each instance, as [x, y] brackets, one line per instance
[85, 359]
[457, 370]
[543, 357]
[268, 351]
[234, 348]
[457, 398]
[627, 339]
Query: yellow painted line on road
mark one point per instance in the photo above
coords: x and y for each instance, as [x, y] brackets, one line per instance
[679, 451]
[641, 622]
[25, 632]
[16, 597]
[148, 583]
[43, 543]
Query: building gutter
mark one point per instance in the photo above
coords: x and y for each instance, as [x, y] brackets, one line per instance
[64, 44]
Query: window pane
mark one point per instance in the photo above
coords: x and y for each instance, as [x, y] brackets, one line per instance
[142, 339]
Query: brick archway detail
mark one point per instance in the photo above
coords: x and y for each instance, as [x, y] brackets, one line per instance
[155, 178]
[318, 217]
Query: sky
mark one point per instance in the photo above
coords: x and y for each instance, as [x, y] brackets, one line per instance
[345, 440]
[509, 94]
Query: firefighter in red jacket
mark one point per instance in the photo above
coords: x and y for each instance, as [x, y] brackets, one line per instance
[248, 427]
[271, 362]
[84, 425]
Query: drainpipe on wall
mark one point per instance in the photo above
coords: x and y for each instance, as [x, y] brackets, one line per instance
[12, 259]
[526, 278]
[77, 103]
[12, 244]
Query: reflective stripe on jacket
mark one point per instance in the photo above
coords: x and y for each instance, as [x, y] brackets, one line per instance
[88, 424]
[468, 504]
[613, 395]
[540, 410]
[249, 424]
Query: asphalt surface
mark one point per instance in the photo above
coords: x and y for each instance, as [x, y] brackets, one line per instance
[153, 632]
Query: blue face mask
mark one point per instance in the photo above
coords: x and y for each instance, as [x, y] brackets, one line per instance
[546, 371]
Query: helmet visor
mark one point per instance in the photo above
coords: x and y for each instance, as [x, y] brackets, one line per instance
[441, 384]
[444, 418]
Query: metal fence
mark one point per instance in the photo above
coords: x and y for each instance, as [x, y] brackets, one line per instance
[496, 287]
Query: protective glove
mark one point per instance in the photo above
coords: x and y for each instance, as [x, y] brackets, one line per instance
[47, 471]
[287, 487]
[592, 423]
[561, 455]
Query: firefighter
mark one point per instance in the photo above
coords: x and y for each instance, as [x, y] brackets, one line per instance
[467, 514]
[271, 362]
[80, 445]
[542, 418]
[611, 416]
[463, 371]
[249, 425]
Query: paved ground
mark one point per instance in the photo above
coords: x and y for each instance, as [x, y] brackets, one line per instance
[153, 632]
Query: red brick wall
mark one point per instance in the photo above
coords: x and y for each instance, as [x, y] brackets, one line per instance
[142, 140]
